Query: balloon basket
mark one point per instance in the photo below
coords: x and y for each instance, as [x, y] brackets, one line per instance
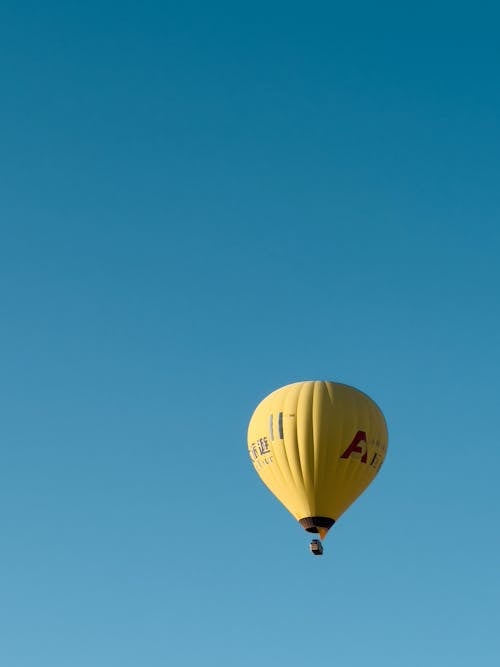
[316, 548]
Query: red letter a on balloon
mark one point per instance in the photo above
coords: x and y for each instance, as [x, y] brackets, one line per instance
[358, 446]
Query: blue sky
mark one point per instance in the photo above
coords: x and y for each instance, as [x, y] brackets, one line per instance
[198, 205]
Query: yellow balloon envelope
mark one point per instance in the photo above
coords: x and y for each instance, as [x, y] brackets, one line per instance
[317, 446]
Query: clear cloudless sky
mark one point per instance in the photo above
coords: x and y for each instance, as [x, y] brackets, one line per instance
[201, 202]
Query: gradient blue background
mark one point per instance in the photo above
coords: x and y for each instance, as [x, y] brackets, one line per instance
[199, 203]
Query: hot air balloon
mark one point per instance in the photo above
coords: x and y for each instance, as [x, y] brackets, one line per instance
[317, 446]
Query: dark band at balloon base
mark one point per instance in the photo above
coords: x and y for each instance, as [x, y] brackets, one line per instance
[313, 523]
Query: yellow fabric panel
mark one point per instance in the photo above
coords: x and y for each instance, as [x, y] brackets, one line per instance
[317, 446]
